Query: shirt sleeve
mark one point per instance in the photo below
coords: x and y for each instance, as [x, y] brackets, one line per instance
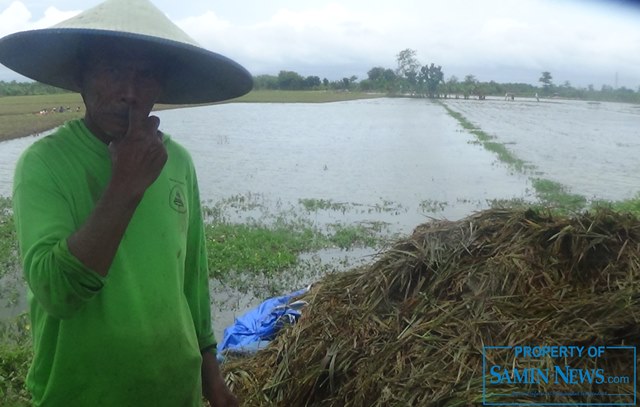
[44, 221]
[196, 285]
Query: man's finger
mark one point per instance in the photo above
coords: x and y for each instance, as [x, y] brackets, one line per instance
[140, 124]
[136, 120]
[154, 123]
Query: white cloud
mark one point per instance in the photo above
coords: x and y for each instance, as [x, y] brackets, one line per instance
[14, 18]
[331, 34]
[336, 39]
[17, 17]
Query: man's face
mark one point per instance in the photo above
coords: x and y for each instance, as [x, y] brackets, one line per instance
[113, 80]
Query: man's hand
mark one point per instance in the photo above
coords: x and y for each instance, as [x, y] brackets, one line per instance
[137, 160]
[138, 157]
[214, 388]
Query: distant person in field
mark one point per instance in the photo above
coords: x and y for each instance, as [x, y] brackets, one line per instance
[108, 214]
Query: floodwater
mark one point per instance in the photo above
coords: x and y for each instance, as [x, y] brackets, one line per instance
[366, 152]
[591, 147]
[398, 153]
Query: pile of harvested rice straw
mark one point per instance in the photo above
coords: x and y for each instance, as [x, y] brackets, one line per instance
[409, 330]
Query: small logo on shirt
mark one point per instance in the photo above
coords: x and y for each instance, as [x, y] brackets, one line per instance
[177, 199]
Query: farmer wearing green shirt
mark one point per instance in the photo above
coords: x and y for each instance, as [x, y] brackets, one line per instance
[108, 214]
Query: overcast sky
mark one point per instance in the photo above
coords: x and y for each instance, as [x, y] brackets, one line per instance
[584, 42]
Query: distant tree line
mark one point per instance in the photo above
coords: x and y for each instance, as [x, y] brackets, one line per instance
[412, 78]
[409, 77]
[288, 80]
[14, 88]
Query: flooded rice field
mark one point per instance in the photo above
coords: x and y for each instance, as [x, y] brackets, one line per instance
[396, 162]
[372, 153]
[591, 147]
[402, 153]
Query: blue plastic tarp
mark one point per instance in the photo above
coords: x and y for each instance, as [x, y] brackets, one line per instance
[257, 327]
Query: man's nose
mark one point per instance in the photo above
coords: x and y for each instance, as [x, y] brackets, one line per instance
[129, 89]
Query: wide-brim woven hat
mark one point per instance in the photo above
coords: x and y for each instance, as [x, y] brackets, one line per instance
[196, 76]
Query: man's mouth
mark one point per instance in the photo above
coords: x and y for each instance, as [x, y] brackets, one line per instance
[123, 116]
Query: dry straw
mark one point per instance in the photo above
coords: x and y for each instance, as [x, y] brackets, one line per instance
[409, 329]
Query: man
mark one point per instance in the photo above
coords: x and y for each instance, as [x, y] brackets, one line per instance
[108, 214]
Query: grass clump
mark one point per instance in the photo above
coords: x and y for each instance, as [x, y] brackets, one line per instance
[348, 236]
[555, 194]
[15, 341]
[315, 205]
[269, 251]
[14, 365]
[256, 249]
[433, 206]
[466, 124]
[15, 358]
[8, 240]
[504, 155]
[629, 205]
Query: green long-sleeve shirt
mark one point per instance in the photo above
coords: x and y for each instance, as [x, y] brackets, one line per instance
[132, 338]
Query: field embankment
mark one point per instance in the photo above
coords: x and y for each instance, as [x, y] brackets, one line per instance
[22, 116]
[550, 193]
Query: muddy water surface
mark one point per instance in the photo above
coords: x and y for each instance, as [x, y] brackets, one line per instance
[404, 154]
[591, 147]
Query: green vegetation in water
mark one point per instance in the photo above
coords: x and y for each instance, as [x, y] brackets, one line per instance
[629, 205]
[510, 203]
[362, 234]
[314, 205]
[259, 258]
[252, 257]
[504, 155]
[433, 206]
[384, 206]
[8, 240]
[254, 248]
[555, 194]
[257, 249]
[550, 193]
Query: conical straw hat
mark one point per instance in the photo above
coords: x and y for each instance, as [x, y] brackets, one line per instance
[196, 75]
